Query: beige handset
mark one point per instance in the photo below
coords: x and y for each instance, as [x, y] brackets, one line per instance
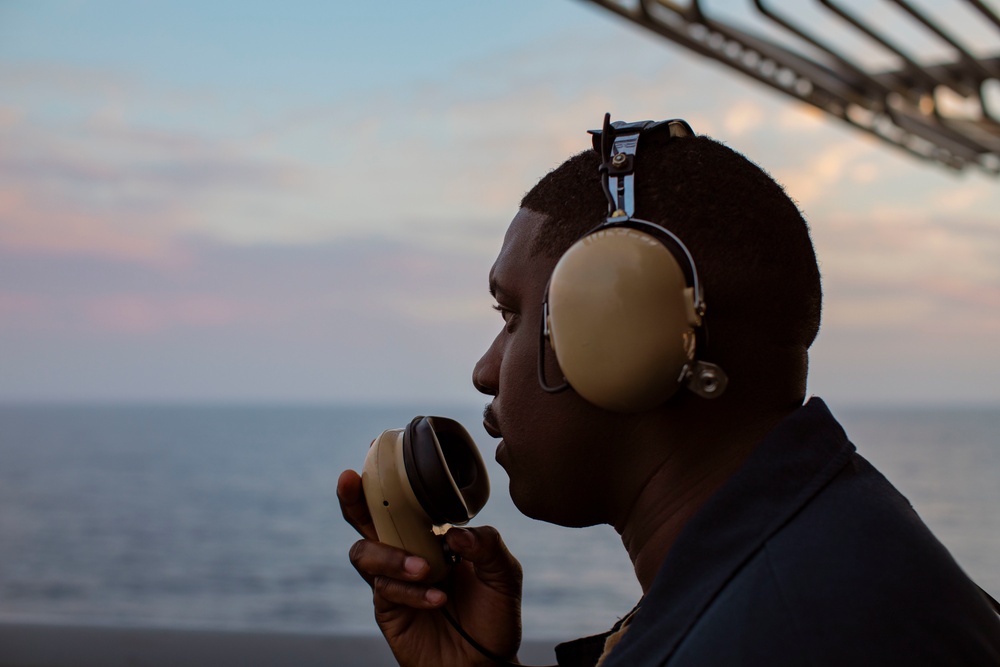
[418, 481]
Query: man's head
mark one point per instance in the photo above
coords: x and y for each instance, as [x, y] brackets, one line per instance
[748, 239]
[573, 463]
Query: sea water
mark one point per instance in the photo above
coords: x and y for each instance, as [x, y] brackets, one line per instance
[227, 517]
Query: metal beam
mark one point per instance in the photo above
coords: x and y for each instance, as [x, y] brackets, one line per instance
[912, 108]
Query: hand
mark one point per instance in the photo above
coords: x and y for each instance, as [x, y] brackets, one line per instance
[483, 591]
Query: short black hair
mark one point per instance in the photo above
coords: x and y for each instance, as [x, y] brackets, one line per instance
[749, 240]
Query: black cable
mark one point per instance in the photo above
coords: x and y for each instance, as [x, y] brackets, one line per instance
[476, 645]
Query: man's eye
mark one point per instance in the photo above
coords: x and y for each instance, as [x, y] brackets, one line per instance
[505, 313]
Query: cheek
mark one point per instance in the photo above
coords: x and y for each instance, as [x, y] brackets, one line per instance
[544, 432]
[538, 425]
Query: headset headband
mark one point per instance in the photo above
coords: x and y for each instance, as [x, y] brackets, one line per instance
[617, 143]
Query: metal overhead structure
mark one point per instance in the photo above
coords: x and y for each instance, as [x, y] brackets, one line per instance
[946, 110]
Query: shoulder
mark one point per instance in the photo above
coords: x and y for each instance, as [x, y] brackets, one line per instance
[809, 556]
[855, 577]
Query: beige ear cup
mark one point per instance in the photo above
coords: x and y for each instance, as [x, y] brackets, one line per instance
[621, 319]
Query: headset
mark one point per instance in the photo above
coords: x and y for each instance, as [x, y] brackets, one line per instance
[624, 307]
[420, 480]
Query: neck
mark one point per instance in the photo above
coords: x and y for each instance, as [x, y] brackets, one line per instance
[694, 469]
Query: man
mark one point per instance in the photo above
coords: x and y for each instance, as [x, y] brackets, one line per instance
[758, 535]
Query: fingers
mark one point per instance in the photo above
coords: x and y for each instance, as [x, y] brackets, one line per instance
[395, 576]
[493, 562]
[351, 495]
[390, 592]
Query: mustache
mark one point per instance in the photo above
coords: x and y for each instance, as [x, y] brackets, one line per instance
[490, 421]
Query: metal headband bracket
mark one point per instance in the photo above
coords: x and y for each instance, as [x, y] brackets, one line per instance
[617, 144]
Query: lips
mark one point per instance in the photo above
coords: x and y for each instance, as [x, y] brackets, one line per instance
[494, 431]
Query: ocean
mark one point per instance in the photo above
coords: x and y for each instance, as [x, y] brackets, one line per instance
[226, 518]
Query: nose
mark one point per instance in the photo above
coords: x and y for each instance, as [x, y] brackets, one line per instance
[486, 374]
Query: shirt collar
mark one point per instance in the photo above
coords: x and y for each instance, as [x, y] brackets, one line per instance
[790, 466]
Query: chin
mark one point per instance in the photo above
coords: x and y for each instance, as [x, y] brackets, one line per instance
[548, 506]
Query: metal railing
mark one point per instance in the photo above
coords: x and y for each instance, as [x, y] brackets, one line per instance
[947, 111]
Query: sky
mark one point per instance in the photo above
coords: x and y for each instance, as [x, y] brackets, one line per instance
[300, 201]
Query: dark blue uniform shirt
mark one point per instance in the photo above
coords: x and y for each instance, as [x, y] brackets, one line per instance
[806, 556]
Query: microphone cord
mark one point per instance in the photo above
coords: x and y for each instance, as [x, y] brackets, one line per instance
[476, 645]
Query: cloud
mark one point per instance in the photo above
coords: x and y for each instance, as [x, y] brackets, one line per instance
[912, 309]
[140, 313]
[822, 171]
[295, 292]
[801, 117]
[60, 81]
[9, 117]
[116, 179]
[964, 198]
[15, 308]
[338, 247]
[449, 153]
[34, 225]
[742, 117]
[335, 320]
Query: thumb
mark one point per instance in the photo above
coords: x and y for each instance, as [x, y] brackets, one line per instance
[485, 550]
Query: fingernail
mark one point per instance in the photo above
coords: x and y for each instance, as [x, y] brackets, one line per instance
[414, 565]
[434, 596]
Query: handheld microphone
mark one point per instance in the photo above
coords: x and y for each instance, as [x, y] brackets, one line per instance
[421, 480]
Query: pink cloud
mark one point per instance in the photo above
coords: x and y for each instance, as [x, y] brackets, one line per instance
[16, 308]
[31, 226]
[143, 314]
